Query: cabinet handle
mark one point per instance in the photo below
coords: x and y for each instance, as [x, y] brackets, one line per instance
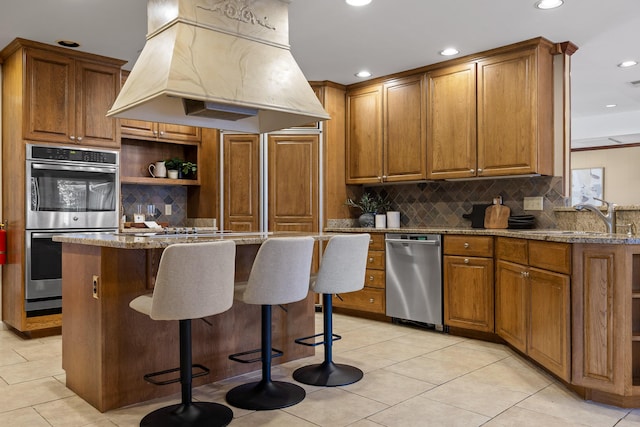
[371, 300]
[479, 170]
[161, 133]
[524, 273]
[472, 171]
[371, 278]
[370, 241]
[466, 245]
[370, 259]
[155, 132]
[72, 137]
[466, 260]
[79, 138]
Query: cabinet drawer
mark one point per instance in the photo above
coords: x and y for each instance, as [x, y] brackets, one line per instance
[371, 300]
[514, 250]
[374, 278]
[552, 256]
[469, 245]
[375, 260]
[377, 242]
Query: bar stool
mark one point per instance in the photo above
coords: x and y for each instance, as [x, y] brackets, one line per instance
[279, 275]
[342, 270]
[194, 280]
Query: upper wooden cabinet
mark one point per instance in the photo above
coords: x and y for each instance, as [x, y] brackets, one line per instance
[386, 140]
[64, 95]
[241, 173]
[492, 116]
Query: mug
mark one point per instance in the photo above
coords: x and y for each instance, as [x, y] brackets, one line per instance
[159, 169]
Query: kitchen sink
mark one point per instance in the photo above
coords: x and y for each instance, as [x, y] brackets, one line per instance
[565, 232]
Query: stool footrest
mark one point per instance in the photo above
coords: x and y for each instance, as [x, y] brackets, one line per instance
[236, 356]
[302, 340]
[203, 370]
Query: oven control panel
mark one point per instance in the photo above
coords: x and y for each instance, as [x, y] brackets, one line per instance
[72, 155]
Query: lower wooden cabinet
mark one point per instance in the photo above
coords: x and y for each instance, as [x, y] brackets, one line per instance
[533, 305]
[371, 298]
[468, 282]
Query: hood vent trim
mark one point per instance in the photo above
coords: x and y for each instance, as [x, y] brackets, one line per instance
[206, 64]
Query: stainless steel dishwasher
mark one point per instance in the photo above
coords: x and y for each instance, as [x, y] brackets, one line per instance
[414, 278]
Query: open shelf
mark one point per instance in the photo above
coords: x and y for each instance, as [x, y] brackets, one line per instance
[144, 180]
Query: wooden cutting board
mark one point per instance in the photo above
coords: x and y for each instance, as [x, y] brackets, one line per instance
[497, 216]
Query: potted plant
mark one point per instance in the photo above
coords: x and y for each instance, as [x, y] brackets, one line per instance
[173, 166]
[188, 169]
[369, 204]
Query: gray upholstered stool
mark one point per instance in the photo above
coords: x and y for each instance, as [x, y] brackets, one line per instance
[342, 270]
[194, 280]
[279, 275]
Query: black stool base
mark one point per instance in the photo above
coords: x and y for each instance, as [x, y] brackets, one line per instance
[328, 374]
[197, 414]
[263, 395]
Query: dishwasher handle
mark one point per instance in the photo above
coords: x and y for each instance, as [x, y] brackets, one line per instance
[415, 242]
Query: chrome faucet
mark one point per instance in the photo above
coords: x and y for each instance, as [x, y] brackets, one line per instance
[609, 219]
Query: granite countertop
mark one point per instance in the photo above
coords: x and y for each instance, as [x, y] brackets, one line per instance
[152, 241]
[552, 235]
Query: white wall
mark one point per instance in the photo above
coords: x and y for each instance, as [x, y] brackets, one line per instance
[621, 172]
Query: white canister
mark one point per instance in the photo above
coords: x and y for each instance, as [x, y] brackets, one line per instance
[381, 221]
[393, 219]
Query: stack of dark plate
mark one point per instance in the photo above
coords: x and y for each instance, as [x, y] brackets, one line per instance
[521, 221]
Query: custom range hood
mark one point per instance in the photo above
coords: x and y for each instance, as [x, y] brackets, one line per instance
[222, 64]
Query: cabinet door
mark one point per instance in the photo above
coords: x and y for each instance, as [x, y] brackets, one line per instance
[50, 97]
[178, 132]
[451, 122]
[405, 157]
[364, 135]
[138, 128]
[96, 89]
[293, 182]
[468, 293]
[241, 182]
[549, 339]
[507, 114]
[511, 304]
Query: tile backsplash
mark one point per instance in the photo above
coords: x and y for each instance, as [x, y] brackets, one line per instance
[442, 203]
[157, 195]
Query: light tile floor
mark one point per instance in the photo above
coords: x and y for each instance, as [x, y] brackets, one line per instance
[412, 377]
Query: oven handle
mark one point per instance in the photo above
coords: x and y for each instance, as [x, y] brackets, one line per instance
[48, 166]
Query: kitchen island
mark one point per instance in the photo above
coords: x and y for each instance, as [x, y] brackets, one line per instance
[107, 347]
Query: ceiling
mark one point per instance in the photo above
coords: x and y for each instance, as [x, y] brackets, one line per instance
[332, 41]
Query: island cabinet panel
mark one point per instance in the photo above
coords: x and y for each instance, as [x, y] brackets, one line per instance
[599, 314]
[108, 347]
[468, 282]
[533, 311]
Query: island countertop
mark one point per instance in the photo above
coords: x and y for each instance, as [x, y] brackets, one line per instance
[158, 240]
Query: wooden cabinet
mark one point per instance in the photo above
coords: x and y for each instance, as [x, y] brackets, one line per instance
[293, 182]
[241, 177]
[532, 310]
[386, 140]
[371, 298]
[492, 116]
[64, 95]
[468, 282]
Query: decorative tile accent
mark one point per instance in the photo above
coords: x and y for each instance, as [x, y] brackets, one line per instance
[442, 203]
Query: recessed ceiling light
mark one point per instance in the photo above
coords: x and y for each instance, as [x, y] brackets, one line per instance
[626, 64]
[363, 74]
[68, 43]
[449, 51]
[358, 2]
[611, 105]
[549, 4]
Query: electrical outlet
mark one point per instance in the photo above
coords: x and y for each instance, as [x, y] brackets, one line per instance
[167, 210]
[533, 204]
[95, 281]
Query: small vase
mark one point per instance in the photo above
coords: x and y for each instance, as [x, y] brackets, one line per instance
[367, 219]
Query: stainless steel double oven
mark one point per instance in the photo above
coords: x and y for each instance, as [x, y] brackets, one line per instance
[69, 190]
